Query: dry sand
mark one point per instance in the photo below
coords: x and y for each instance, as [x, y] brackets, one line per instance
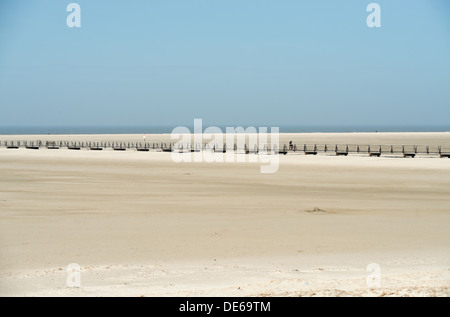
[139, 224]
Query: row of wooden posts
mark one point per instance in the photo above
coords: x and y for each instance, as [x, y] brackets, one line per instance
[313, 149]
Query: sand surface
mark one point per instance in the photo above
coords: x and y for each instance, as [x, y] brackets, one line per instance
[139, 224]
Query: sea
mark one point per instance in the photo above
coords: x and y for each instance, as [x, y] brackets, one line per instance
[65, 130]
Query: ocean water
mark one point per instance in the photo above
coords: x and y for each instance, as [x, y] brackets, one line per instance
[168, 129]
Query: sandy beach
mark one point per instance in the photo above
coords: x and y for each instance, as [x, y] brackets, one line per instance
[139, 224]
[361, 138]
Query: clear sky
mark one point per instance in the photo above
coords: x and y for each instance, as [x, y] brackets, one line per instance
[229, 62]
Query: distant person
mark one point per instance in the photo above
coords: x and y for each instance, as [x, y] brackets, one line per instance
[291, 146]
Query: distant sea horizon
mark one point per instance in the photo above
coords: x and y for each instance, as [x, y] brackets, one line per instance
[167, 130]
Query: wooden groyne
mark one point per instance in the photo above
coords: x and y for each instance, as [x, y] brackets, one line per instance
[307, 149]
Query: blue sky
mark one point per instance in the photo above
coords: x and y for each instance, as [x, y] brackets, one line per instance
[247, 62]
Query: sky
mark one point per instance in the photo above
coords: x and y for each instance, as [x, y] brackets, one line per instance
[247, 62]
